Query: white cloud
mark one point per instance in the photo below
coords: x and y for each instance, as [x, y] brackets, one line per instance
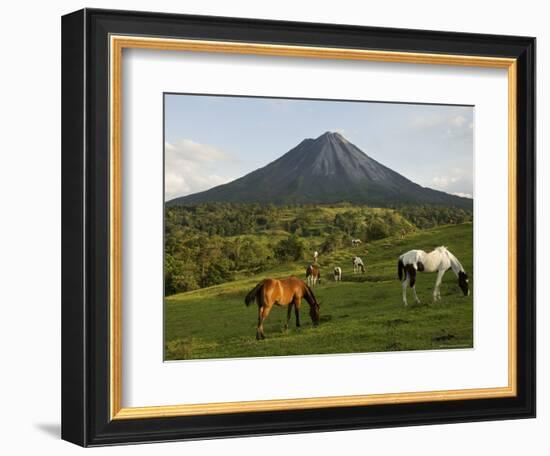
[453, 126]
[463, 195]
[458, 121]
[457, 182]
[190, 167]
[444, 181]
[193, 151]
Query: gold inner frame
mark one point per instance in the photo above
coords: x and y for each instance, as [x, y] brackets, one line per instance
[117, 44]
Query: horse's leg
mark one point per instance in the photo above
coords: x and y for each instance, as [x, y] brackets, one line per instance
[259, 329]
[437, 293]
[404, 284]
[297, 304]
[414, 293]
[264, 313]
[288, 314]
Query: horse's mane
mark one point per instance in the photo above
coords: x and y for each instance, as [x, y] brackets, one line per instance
[310, 297]
[456, 261]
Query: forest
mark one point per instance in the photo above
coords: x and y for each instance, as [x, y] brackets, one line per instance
[213, 243]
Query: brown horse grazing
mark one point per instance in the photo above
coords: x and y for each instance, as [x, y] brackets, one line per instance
[285, 292]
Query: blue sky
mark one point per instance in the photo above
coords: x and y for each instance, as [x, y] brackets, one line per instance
[210, 140]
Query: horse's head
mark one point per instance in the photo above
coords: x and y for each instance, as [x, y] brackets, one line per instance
[314, 313]
[463, 283]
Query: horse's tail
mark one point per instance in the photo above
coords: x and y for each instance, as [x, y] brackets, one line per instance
[400, 269]
[362, 266]
[253, 294]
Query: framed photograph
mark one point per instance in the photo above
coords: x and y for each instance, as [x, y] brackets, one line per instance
[277, 227]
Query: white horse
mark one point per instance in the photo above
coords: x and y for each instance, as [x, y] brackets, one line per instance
[337, 274]
[355, 242]
[315, 256]
[358, 264]
[439, 260]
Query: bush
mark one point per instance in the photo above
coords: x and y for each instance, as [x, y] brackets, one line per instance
[377, 229]
[333, 242]
[349, 222]
[215, 274]
[290, 249]
[179, 275]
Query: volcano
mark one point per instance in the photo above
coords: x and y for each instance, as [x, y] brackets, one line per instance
[325, 170]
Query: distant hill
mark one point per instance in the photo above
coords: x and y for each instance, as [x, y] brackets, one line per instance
[325, 170]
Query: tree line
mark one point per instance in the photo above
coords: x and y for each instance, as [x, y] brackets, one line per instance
[212, 243]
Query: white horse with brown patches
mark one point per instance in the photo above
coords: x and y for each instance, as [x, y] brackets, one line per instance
[439, 260]
[313, 275]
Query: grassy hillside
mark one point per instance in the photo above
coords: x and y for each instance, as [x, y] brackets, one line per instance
[211, 244]
[363, 313]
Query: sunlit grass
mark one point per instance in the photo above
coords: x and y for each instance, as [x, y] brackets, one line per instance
[363, 313]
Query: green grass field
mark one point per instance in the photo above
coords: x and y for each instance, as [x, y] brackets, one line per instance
[363, 313]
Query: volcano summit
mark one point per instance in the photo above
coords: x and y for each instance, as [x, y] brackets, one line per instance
[325, 170]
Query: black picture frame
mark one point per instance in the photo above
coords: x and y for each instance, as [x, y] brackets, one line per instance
[85, 227]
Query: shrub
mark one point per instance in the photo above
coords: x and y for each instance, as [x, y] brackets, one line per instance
[290, 249]
[377, 229]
